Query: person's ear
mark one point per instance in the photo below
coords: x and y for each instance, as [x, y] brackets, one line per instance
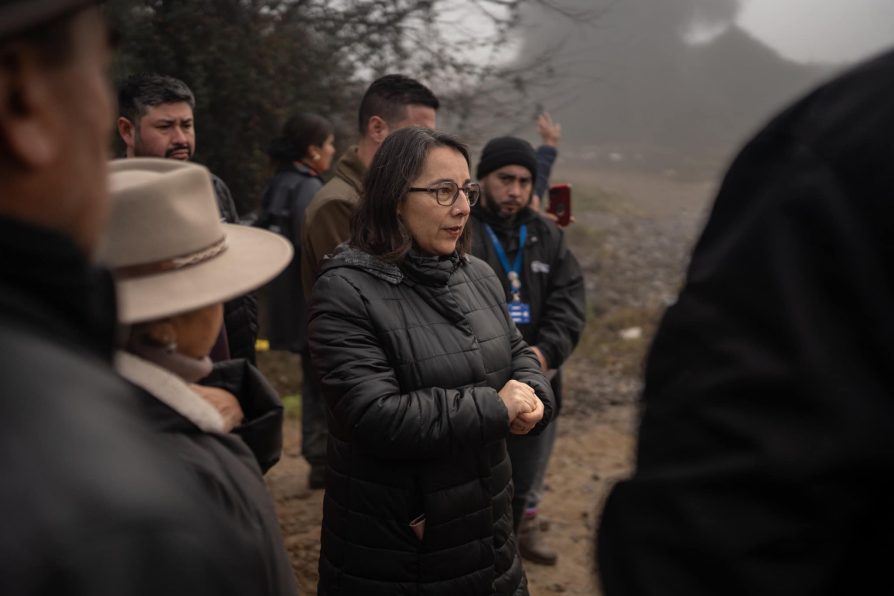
[377, 129]
[29, 108]
[314, 152]
[128, 132]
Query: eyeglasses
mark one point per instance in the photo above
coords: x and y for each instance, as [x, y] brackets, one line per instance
[447, 192]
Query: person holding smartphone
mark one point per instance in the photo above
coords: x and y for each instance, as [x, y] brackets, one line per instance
[545, 296]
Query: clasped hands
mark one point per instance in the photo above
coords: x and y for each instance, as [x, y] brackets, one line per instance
[524, 407]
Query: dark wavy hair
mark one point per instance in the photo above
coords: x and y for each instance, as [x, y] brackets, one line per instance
[300, 131]
[375, 227]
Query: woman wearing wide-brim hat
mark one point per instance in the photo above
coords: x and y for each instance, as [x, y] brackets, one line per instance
[174, 265]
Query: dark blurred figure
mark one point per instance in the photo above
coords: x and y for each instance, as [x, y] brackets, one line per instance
[544, 288]
[155, 119]
[766, 449]
[91, 504]
[300, 154]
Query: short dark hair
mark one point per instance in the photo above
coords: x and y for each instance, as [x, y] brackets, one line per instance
[299, 132]
[389, 96]
[375, 227]
[145, 90]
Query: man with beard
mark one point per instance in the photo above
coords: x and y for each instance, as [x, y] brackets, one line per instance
[91, 502]
[545, 295]
[156, 120]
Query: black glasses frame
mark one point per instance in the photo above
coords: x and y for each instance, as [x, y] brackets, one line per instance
[472, 191]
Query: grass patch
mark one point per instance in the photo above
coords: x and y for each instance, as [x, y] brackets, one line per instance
[292, 405]
[589, 197]
[602, 346]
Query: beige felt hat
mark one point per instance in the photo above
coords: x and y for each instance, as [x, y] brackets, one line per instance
[18, 15]
[167, 248]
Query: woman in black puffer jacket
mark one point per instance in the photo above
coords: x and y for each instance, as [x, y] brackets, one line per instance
[424, 375]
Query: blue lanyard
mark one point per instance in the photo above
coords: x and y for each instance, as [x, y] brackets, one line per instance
[514, 270]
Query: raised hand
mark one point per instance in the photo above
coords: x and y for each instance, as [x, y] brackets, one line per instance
[550, 131]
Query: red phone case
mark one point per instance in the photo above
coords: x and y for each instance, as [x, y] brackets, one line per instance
[560, 203]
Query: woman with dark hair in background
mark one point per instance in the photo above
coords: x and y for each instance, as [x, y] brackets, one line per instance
[302, 152]
[425, 376]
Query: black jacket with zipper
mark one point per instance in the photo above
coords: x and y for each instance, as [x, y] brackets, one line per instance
[411, 359]
[552, 282]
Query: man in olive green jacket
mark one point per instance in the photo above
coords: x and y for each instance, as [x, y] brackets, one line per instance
[390, 103]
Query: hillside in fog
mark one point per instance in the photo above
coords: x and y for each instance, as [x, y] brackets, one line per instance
[631, 79]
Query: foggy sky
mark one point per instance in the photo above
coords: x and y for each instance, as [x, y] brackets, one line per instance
[821, 30]
[631, 77]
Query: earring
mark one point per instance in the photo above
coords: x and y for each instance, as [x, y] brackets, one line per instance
[315, 156]
[170, 347]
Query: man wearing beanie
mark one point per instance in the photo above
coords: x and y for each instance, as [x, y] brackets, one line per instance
[545, 295]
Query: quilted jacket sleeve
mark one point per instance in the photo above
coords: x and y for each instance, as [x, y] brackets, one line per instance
[526, 369]
[364, 397]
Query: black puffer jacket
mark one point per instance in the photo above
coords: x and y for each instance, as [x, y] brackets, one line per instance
[411, 360]
[552, 282]
[282, 211]
[240, 313]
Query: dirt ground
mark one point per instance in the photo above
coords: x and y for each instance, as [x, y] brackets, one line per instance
[632, 235]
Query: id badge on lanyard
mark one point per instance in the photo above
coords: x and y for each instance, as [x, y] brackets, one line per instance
[519, 311]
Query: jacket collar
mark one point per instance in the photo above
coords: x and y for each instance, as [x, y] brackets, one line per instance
[415, 268]
[170, 390]
[350, 169]
[297, 166]
[48, 284]
[346, 256]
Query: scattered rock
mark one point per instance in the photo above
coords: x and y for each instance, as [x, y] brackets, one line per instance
[632, 333]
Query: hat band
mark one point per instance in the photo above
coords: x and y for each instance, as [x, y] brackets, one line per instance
[175, 264]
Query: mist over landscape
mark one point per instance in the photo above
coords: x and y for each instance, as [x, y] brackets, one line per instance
[663, 82]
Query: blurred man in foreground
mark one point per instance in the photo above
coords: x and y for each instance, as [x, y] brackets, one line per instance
[766, 447]
[90, 504]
